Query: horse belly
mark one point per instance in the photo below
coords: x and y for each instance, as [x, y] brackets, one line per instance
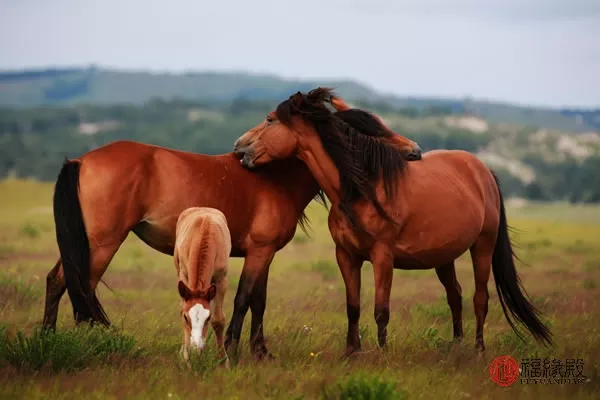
[431, 251]
[159, 237]
[430, 258]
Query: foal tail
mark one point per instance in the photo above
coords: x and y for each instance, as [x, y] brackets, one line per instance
[74, 245]
[509, 285]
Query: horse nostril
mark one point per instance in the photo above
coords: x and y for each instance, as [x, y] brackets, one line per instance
[416, 154]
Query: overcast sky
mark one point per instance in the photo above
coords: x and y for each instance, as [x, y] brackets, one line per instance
[539, 52]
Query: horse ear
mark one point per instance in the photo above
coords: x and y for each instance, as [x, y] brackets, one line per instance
[339, 104]
[297, 99]
[184, 291]
[211, 292]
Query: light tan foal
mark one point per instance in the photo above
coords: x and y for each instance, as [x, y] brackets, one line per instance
[201, 256]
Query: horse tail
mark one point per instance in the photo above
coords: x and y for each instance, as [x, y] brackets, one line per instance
[74, 245]
[508, 284]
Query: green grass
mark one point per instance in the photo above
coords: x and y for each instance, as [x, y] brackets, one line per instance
[67, 350]
[14, 290]
[305, 320]
[364, 387]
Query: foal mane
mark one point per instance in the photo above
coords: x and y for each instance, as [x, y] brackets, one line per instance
[351, 137]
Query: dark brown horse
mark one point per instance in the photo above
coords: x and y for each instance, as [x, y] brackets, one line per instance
[396, 214]
[127, 186]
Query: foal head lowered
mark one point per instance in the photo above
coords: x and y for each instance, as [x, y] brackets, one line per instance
[196, 313]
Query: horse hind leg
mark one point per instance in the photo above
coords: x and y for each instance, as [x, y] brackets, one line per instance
[481, 254]
[447, 276]
[100, 258]
[55, 289]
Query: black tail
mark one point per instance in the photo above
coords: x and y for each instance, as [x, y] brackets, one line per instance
[74, 245]
[509, 286]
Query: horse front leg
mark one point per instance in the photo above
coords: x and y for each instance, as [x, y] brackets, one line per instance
[383, 269]
[258, 302]
[251, 292]
[350, 268]
[218, 319]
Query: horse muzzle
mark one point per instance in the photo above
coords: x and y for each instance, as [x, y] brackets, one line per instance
[415, 154]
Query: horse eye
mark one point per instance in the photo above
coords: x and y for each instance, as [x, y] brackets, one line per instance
[269, 119]
[185, 318]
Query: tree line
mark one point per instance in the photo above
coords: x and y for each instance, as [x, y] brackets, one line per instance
[35, 141]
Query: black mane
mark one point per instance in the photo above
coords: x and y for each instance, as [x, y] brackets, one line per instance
[352, 140]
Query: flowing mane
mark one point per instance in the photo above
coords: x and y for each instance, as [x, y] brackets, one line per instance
[351, 138]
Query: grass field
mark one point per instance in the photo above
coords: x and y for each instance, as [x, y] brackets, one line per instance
[305, 320]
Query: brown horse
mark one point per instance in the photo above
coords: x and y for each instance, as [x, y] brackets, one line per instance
[395, 214]
[201, 258]
[127, 186]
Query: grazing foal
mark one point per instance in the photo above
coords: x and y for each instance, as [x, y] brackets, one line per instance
[202, 248]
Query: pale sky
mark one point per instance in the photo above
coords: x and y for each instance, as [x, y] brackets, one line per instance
[537, 52]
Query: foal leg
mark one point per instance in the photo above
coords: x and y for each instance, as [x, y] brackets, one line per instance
[218, 318]
[383, 269]
[55, 289]
[481, 254]
[256, 262]
[350, 268]
[447, 276]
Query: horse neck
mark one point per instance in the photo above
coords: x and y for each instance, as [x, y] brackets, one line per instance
[199, 265]
[201, 270]
[321, 166]
[297, 181]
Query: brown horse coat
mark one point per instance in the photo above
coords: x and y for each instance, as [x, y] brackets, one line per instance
[128, 186]
[397, 214]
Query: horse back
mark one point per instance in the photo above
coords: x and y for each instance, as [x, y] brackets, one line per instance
[196, 225]
[203, 245]
[456, 172]
[130, 186]
[449, 199]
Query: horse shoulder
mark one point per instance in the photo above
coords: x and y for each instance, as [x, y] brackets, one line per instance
[346, 236]
[273, 220]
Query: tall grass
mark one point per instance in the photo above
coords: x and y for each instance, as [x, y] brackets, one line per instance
[65, 350]
[305, 322]
[14, 291]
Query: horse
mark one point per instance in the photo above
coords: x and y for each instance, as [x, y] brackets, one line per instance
[127, 186]
[201, 258]
[395, 214]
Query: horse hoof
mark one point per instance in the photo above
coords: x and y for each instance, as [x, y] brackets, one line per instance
[349, 352]
[231, 347]
[261, 353]
[225, 364]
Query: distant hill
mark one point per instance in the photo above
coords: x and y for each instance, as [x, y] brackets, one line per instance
[535, 163]
[68, 86]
